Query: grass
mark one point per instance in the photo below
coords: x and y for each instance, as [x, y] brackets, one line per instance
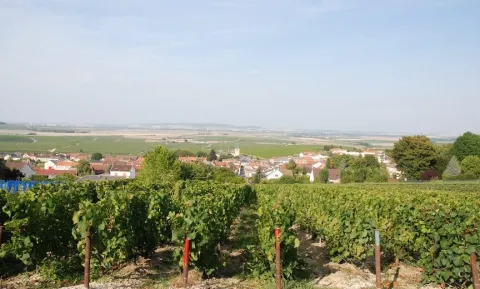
[122, 145]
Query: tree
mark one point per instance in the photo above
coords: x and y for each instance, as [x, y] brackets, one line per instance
[68, 178]
[414, 155]
[97, 157]
[453, 168]
[466, 145]
[212, 156]
[160, 165]
[84, 168]
[257, 178]
[201, 154]
[323, 177]
[292, 165]
[471, 166]
[339, 161]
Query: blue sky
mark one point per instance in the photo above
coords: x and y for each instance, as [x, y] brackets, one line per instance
[371, 65]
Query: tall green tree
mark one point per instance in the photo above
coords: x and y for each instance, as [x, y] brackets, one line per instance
[414, 155]
[257, 178]
[212, 156]
[97, 156]
[160, 165]
[291, 165]
[466, 145]
[453, 168]
[84, 168]
[323, 176]
[471, 166]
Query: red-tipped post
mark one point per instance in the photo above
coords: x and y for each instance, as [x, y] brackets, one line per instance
[88, 241]
[378, 269]
[278, 274]
[473, 262]
[186, 254]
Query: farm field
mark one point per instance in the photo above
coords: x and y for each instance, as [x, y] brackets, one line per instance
[138, 146]
[433, 226]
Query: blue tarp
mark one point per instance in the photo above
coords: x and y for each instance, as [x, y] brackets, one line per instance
[14, 186]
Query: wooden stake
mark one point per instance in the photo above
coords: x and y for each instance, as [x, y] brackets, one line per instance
[88, 240]
[473, 262]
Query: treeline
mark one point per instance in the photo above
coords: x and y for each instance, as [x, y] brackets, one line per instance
[162, 164]
[420, 159]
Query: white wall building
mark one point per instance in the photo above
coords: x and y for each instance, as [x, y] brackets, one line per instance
[275, 174]
[123, 170]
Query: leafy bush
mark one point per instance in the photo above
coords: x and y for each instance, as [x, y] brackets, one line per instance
[436, 229]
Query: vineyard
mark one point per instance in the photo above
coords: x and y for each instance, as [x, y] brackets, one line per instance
[434, 226]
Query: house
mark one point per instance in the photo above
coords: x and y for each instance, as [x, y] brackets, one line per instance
[76, 157]
[100, 169]
[312, 176]
[24, 168]
[274, 174]
[122, 170]
[338, 151]
[27, 156]
[12, 157]
[50, 165]
[334, 176]
[45, 158]
[353, 154]
[65, 165]
[51, 174]
[369, 153]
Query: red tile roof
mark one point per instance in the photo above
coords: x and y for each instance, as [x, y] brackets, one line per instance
[121, 167]
[44, 172]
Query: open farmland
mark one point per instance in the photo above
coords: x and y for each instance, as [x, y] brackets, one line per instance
[263, 148]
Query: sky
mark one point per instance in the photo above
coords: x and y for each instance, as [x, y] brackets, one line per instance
[364, 65]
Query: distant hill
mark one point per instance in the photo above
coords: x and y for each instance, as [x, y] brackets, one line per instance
[2, 123]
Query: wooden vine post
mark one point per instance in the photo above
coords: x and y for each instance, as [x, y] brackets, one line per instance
[88, 241]
[278, 260]
[378, 268]
[473, 262]
[186, 254]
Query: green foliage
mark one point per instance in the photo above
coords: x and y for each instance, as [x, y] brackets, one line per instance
[125, 223]
[414, 155]
[323, 177]
[291, 165]
[201, 154]
[67, 178]
[434, 226]
[212, 156]
[471, 166]
[274, 211]
[339, 161]
[453, 168]
[257, 178]
[466, 145]
[204, 213]
[84, 168]
[160, 165]
[97, 156]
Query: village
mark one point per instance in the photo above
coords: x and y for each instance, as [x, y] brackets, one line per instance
[108, 167]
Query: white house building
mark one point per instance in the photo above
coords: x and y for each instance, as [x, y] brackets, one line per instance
[275, 174]
[50, 165]
[236, 151]
[123, 170]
